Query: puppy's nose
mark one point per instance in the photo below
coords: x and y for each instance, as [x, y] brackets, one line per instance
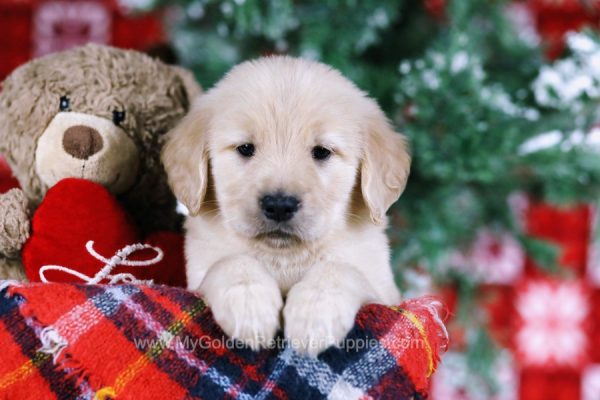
[279, 207]
[82, 141]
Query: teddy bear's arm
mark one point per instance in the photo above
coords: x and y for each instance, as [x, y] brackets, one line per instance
[14, 222]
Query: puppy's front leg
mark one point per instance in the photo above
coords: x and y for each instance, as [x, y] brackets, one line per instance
[320, 309]
[245, 300]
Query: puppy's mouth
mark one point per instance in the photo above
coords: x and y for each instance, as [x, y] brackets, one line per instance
[278, 239]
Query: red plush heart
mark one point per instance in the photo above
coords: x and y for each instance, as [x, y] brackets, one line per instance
[76, 211]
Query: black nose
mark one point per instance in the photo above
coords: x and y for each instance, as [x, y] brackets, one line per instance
[279, 207]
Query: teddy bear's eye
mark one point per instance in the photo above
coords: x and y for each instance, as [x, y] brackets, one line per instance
[64, 104]
[118, 117]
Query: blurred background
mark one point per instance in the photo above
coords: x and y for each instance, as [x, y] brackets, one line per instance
[500, 100]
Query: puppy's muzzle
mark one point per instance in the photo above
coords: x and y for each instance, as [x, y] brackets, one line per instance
[279, 207]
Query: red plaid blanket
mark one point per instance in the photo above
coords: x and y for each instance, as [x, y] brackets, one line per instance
[135, 342]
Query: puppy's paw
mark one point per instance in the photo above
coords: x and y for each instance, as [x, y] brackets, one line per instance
[247, 311]
[318, 317]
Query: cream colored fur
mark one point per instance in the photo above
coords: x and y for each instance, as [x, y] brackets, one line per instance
[334, 257]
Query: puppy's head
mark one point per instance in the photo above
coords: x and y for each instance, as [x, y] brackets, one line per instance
[286, 141]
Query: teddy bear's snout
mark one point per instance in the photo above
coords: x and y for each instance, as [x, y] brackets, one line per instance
[79, 145]
[82, 141]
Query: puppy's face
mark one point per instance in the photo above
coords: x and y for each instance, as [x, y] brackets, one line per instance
[284, 176]
[286, 141]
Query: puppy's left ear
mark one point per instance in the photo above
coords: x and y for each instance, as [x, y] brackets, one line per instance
[385, 166]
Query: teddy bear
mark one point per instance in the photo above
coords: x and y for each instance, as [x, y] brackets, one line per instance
[97, 113]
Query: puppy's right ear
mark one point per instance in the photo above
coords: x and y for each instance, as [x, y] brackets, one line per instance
[185, 158]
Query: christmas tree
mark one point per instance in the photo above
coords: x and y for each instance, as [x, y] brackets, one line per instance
[493, 122]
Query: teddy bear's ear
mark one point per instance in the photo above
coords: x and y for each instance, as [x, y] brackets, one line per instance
[185, 157]
[191, 85]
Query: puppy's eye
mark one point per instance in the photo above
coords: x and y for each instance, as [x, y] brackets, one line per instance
[64, 103]
[321, 153]
[118, 117]
[246, 150]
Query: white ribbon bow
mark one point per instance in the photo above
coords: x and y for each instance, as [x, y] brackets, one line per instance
[120, 258]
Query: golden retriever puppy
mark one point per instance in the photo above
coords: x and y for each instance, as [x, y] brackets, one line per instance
[287, 170]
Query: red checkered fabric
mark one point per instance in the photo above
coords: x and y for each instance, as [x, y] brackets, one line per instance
[154, 342]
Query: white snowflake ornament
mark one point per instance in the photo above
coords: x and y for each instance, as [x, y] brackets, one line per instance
[492, 259]
[552, 318]
[590, 383]
[60, 25]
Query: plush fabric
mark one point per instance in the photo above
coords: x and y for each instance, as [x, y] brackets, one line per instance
[76, 211]
[73, 341]
[14, 232]
[95, 81]
[14, 222]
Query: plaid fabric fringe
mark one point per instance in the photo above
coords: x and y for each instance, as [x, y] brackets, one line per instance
[69, 341]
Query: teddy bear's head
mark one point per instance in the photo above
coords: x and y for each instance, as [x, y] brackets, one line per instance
[98, 113]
